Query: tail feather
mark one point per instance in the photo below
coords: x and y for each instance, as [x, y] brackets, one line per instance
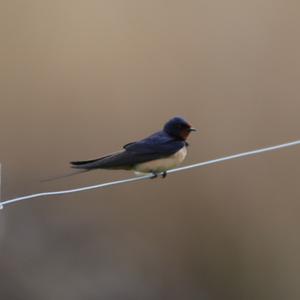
[82, 162]
[65, 175]
[88, 164]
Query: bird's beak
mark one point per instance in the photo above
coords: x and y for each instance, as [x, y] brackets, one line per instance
[193, 129]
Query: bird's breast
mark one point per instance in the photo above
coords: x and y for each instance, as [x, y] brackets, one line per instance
[162, 164]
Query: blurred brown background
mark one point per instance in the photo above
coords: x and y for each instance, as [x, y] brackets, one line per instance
[82, 78]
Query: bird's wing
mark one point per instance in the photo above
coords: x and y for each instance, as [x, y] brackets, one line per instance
[159, 143]
[154, 147]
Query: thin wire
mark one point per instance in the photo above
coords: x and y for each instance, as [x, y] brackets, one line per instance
[133, 179]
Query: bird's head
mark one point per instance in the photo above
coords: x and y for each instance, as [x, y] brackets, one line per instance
[179, 128]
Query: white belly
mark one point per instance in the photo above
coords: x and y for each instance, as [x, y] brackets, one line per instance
[162, 164]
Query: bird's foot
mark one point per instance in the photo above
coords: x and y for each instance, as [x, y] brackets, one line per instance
[154, 175]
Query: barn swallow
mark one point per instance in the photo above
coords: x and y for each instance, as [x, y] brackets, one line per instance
[155, 154]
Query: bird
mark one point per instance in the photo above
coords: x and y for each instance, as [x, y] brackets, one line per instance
[155, 154]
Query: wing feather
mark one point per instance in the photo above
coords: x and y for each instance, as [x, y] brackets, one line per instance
[156, 146]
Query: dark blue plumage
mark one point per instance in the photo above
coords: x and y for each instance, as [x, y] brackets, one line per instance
[159, 145]
[159, 142]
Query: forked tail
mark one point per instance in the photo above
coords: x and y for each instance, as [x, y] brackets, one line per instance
[65, 175]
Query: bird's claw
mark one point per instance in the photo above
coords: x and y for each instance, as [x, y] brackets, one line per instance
[155, 175]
